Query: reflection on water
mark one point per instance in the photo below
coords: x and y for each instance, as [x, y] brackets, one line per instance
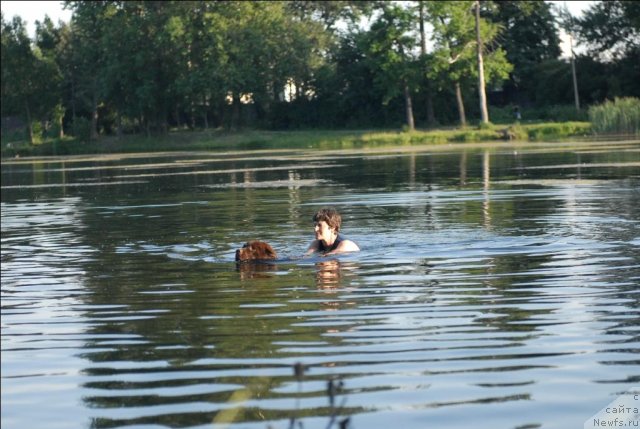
[496, 288]
[328, 273]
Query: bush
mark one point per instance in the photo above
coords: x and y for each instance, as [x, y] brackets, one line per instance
[620, 116]
[37, 129]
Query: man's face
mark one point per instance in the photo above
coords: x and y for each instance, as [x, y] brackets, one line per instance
[323, 231]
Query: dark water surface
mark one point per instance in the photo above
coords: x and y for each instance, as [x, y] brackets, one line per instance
[498, 287]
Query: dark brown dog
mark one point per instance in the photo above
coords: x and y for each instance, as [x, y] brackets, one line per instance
[255, 251]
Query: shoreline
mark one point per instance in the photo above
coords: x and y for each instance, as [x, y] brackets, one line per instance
[597, 145]
[221, 141]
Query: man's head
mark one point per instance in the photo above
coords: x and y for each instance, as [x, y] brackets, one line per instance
[330, 216]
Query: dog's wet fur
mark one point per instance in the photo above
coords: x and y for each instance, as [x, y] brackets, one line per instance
[255, 251]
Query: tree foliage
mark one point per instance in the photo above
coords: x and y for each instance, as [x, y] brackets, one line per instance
[144, 66]
[455, 61]
[30, 79]
[529, 37]
[611, 28]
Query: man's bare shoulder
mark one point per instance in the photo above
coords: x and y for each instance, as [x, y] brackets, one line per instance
[347, 246]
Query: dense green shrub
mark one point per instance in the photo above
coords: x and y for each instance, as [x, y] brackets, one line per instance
[620, 116]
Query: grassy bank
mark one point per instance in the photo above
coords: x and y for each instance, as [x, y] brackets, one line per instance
[217, 140]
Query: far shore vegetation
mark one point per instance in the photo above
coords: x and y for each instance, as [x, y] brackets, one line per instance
[221, 75]
[222, 140]
[613, 119]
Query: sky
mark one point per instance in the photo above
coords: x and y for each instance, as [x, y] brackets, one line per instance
[32, 11]
[576, 8]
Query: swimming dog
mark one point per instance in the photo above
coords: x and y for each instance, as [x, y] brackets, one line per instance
[255, 251]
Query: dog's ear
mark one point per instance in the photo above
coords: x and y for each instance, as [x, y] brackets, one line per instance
[270, 252]
[265, 250]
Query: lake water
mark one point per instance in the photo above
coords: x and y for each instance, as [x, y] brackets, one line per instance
[497, 287]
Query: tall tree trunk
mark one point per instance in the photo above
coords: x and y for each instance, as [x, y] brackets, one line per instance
[431, 118]
[163, 119]
[94, 116]
[60, 128]
[73, 102]
[164, 124]
[205, 112]
[192, 115]
[27, 112]
[484, 112]
[463, 118]
[119, 126]
[58, 116]
[423, 38]
[235, 111]
[176, 113]
[224, 109]
[408, 107]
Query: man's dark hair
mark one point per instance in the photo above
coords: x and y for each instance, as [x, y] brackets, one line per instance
[330, 216]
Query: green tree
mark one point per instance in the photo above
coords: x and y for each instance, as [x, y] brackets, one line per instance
[198, 31]
[123, 72]
[139, 57]
[267, 47]
[30, 80]
[88, 61]
[349, 88]
[611, 33]
[331, 13]
[611, 28]
[390, 49]
[455, 41]
[252, 50]
[529, 37]
[49, 40]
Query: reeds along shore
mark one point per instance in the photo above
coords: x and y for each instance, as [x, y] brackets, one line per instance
[620, 116]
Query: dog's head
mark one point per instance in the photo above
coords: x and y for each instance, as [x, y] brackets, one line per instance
[255, 250]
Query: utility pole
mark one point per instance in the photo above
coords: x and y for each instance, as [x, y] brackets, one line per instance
[569, 29]
[573, 73]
